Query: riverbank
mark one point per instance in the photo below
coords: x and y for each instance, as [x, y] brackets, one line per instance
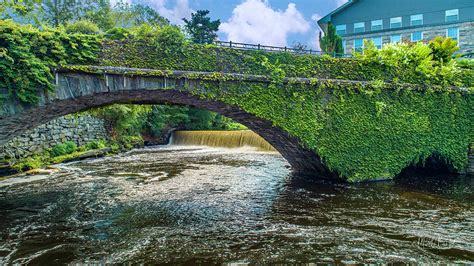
[37, 164]
[62, 153]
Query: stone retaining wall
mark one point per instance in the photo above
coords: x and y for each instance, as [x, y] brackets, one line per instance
[79, 129]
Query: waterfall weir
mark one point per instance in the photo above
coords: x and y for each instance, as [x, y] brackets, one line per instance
[220, 138]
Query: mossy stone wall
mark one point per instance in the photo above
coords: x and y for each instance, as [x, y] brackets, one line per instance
[78, 129]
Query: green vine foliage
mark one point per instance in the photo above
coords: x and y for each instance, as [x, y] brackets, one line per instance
[28, 56]
[363, 131]
[210, 58]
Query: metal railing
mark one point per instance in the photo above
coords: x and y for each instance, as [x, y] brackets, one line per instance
[468, 54]
[267, 48]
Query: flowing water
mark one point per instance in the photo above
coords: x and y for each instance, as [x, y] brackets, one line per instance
[225, 139]
[202, 205]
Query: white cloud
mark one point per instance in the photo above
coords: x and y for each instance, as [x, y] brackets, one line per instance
[175, 14]
[314, 40]
[254, 21]
[315, 17]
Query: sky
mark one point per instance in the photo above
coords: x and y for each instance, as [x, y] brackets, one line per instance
[267, 22]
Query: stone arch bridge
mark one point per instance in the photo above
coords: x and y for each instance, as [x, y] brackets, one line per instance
[82, 88]
[79, 90]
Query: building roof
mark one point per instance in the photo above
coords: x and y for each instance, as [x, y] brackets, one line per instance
[326, 19]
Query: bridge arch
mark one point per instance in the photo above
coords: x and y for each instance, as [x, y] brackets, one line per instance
[81, 91]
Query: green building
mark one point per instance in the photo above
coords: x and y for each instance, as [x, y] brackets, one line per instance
[392, 21]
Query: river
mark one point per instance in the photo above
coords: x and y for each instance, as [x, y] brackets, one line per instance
[202, 205]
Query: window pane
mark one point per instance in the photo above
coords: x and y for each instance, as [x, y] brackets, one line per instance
[395, 22]
[416, 20]
[377, 42]
[358, 44]
[340, 29]
[395, 38]
[377, 24]
[416, 36]
[452, 15]
[453, 33]
[359, 27]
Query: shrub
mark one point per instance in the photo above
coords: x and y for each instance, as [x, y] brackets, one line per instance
[63, 148]
[117, 34]
[70, 147]
[145, 32]
[466, 63]
[29, 163]
[170, 39]
[82, 26]
[417, 57]
[115, 147]
[129, 142]
[443, 49]
[100, 144]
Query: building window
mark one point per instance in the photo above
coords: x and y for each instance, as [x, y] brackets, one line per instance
[416, 20]
[341, 29]
[344, 46]
[417, 36]
[377, 24]
[453, 33]
[396, 22]
[359, 27]
[396, 38]
[377, 42]
[358, 45]
[452, 15]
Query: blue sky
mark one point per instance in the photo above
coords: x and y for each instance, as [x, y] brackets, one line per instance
[270, 22]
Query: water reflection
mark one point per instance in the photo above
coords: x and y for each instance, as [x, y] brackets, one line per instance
[193, 205]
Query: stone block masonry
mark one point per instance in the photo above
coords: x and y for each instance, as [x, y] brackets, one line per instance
[78, 129]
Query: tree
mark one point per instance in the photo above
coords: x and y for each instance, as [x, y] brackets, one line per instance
[22, 11]
[59, 12]
[299, 47]
[17, 7]
[127, 16]
[145, 14]
[331, 42]
[101, 14]
[201, 29]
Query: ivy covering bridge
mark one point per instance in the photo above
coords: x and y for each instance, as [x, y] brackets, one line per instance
[355, 119]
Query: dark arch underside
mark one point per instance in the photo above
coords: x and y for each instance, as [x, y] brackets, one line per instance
[301, 159]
